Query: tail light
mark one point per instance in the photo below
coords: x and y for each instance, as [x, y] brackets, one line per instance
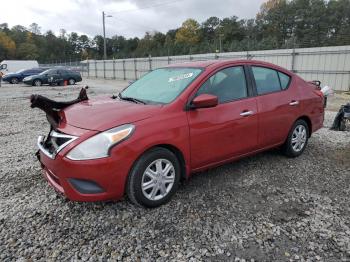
[318, 92]
[322, 96]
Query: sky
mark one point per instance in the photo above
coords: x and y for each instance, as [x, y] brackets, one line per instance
[130, 18]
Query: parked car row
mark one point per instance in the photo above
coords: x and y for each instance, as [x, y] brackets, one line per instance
[15, 78]
[41, 75]
[53, 76]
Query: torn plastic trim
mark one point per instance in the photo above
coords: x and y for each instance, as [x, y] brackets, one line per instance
[52, 108]
[41, 143]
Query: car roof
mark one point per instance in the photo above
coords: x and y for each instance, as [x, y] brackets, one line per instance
[201, 64]
[218, 63]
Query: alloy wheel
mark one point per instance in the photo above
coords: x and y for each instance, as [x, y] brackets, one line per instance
[299, 138]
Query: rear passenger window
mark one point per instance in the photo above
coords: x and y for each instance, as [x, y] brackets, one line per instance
[285, 79]
[266, 79]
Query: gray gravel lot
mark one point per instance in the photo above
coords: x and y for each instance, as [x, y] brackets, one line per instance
[262, 208]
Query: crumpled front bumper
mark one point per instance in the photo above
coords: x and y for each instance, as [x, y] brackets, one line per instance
[92, 180]
[85, 180]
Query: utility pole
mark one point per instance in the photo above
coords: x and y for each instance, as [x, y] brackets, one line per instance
[104, 35]
[220, 36]
[220, 42]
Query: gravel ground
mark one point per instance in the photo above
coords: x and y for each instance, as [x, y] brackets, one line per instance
[262, 208]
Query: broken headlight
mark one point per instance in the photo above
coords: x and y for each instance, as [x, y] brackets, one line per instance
[99, 145]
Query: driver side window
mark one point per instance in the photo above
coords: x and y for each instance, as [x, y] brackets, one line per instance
[228, 84]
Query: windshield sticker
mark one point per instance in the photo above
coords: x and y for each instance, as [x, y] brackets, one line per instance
[180, 77]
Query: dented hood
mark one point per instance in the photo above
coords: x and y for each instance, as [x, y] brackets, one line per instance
[104, 113]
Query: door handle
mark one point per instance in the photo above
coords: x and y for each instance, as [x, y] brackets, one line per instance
[294, 103]
[246, 113]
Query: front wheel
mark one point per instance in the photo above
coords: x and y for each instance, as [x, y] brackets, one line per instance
[154, 178]
[297, 139]
[37, 82]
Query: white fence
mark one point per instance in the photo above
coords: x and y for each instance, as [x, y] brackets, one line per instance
[330, 65]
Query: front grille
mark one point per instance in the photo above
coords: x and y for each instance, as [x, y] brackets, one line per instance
[55, 142]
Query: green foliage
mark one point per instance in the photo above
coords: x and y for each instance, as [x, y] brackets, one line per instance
[27, 51]
[7, 46]
[188, 33]
[279, 24]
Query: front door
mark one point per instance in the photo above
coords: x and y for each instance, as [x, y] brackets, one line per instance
[231, 128]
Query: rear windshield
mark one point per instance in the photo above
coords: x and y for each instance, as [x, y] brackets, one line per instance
[162, 86]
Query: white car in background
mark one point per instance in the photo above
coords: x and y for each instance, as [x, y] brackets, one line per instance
[10, 66]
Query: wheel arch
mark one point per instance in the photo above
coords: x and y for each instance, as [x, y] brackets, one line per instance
[308, 121]
[176, 151]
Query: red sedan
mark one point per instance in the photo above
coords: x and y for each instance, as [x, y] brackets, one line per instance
[175, 121]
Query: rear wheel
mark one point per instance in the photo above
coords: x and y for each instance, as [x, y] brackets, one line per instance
[71, 81]
[14, 80]
[154, 178]
[297, 139]
[37, 82]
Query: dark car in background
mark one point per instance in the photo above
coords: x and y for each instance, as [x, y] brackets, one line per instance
[54, 76]
[15, 78]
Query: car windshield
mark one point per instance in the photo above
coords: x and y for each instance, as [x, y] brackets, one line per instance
[161, 86]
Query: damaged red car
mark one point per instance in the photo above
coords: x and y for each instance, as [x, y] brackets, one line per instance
[172, 122]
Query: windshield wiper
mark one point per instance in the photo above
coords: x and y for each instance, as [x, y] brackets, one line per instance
[132, 99]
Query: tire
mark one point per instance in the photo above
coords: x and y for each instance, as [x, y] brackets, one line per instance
[142, 189]
[297, 139]
[342, 125]
[14, 80]
[37, 82]
[71, 81]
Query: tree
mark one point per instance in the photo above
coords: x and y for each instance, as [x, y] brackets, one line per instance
[27, 51]
[7, 46]
[209, 28]
[188, 33]
[35, 28]
[63, 33]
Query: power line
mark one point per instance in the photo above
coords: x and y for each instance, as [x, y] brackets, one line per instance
[146, 7]
[134, 24]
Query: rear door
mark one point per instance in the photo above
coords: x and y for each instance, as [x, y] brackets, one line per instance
[65, 74]
[231, 128]
[278, 104]
[55, 76]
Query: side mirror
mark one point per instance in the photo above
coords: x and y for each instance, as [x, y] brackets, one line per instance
[204, 101]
